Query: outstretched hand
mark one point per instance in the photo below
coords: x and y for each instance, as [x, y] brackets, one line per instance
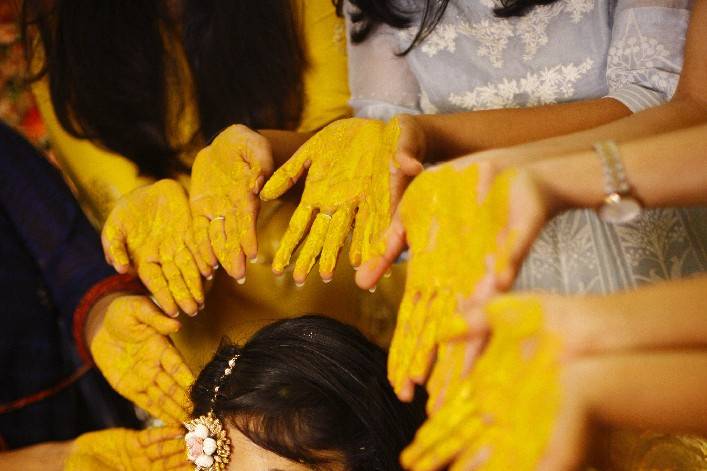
[503, 414]
[456, 222]
[354, 176]
[150, 231]
[226, 178]
[133, 351]
[153, 449]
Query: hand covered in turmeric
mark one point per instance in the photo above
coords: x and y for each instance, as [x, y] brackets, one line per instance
[132, 350]
[128, 450]
[353, 176]
[468, 226]
[502, 415]
[150, 230]
[226, 178]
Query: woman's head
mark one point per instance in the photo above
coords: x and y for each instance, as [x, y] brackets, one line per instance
[402, 14]
[116, 74]
[312, 391]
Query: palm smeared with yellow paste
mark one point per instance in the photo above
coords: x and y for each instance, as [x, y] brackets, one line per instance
[150, 229]
[458, 235]
[132, 350]
[226, 179]
[349, 165]
[501, 416]
[128, 450]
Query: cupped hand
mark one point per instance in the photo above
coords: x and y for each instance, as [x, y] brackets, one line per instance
[460, 228]
[503, 414]
[225, 181]
[128, 450]
[133, 351]
[150, 230]
[354, 176]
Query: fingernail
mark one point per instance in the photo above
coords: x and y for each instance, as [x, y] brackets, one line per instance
[216, 267]
[326, 280]
[373, 290]
[241, 281]
[201, 307]
[210, 277]
[388, 274]
[299, 284]
[254, 259]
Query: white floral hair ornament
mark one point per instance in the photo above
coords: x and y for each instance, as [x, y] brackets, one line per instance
[208, 446]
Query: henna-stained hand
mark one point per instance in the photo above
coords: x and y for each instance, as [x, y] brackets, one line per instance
[226, 178]
[353, 177]
[153, 449]
[150, 230]
[133, 351]
[502, 415]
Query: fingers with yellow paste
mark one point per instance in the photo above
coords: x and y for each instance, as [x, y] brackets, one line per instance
[501, 415]
[312, 247]
[150, 230]
[348, 167]
[128, 450]
[287, 175]
[133, 351]
[299, 224]
[226, 177]
[336, 237]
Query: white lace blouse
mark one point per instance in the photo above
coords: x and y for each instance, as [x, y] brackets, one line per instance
[571, 50]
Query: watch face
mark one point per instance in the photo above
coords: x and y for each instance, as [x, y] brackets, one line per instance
[620, 211]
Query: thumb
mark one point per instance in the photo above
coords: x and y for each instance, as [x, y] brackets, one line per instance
[410, 151]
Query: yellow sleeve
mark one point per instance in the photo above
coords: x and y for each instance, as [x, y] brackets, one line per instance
[326, 87]
[99, 176]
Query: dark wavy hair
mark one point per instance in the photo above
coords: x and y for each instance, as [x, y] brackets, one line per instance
[309, 385]
[109, 63]
[371, 13]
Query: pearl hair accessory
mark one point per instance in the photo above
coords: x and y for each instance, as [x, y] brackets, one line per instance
[208, 446]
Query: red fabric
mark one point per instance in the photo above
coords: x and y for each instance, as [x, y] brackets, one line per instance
[41, 395]
[113, 284]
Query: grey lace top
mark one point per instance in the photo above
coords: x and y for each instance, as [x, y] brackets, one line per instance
[571, 50]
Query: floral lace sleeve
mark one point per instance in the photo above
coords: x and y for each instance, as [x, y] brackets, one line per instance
[646, 53]
[381, 82]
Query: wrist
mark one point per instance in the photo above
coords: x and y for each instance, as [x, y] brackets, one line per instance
[573, 181]
[431, 148]
[96, 315]
[105, 290]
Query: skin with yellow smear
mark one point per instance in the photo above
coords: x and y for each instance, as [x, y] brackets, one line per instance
[348, 167]
[458, 241]
[128, 450]
[500, 417]
[133, 351]
[150, 229]
[226, 178]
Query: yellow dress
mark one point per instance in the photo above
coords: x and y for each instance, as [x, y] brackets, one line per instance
[101, 177]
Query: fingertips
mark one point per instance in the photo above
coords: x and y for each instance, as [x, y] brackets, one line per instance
[203, 245]
[407, 163]
[153, 279]
[190, 272]
[369, 272]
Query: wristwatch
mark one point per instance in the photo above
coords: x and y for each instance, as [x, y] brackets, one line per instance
[619, 205]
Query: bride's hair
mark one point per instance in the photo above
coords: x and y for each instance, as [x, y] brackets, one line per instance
[304, 386]
[397, 14]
